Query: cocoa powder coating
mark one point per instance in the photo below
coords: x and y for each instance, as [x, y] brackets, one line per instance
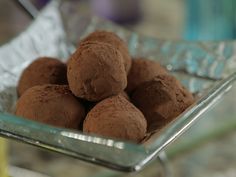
[51, 104]
[161, 100]
[44, 70]
[143, 70]
[96, 71]
[116, 117]
[115, 41]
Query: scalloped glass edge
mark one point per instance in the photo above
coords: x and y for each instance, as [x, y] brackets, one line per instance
[115, 154]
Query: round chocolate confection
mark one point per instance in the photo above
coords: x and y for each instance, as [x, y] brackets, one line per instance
[115, 41]
[51, 104]
[161, 100]
[89, 105]
[43, 70]
[96, 71]
[116, 117]
[143, 70]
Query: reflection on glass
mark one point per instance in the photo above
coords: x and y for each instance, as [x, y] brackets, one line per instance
[92, 139]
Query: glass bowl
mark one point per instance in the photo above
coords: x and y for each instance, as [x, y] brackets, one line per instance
[206, 69]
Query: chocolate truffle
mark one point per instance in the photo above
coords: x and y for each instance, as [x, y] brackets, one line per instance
[44, 70]
[161, 100]
[89, 105]
[51, 104]
[116, 117]
[96, 71]
[143, 70]
[115, 41]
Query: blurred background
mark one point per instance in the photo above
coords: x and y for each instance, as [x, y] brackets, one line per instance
[210, 153]
[172, 19]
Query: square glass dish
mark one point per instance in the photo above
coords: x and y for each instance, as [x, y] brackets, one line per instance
[206, 69]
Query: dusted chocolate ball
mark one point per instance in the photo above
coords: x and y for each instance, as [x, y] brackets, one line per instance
[44, 70]
[89, 105]
[143, 70]
[161, 100]
[51, 104]
[115, 41]
[116, 117]
[96, 71]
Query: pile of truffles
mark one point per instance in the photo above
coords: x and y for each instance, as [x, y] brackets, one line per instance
[101, 90]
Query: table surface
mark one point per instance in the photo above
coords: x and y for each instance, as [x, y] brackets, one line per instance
[202, 157]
